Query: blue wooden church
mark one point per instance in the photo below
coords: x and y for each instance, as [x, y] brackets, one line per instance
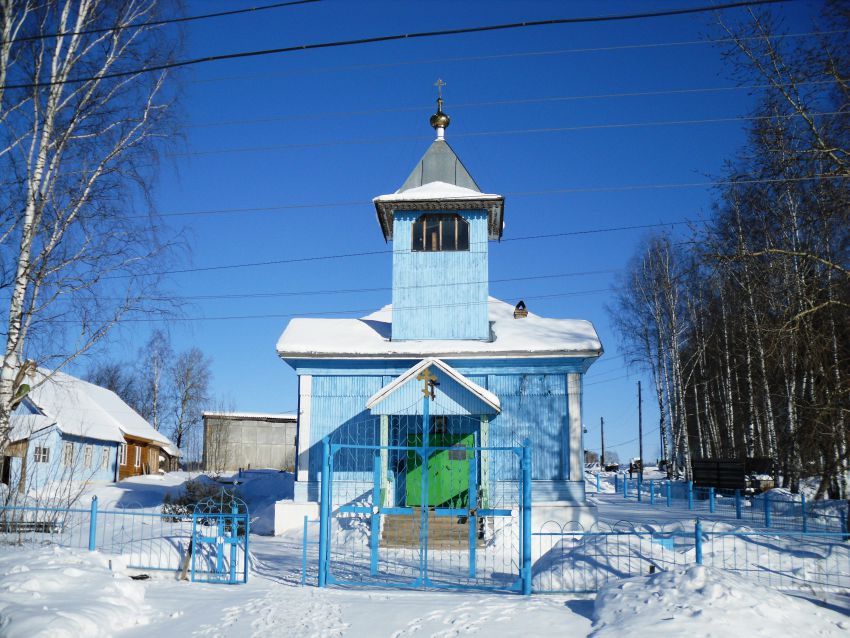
[504, 375]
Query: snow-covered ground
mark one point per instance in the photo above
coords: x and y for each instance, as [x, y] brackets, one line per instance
[59, 592]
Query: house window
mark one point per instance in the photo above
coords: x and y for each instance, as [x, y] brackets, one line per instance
[433, 233]
[42, 454]
[88, 452]
[104, 459]
[122, 454]
[137, 457]
[68, 454]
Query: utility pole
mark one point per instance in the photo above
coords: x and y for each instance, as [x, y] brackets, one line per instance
[640, 431]
[602, 435]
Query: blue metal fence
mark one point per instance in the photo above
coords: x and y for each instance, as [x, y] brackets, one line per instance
[376, 530]
[305, 545]
[576, 561]
[762, 510]
[220, 532]
[146, 539]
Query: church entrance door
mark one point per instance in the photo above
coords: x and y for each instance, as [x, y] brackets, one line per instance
[448, 468]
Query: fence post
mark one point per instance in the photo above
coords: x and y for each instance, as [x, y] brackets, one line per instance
[652, 491]
[598, 484]
[93, 524]
[234, 535]
[669, 494]
[711, 500]
[639, 482]
[324, 510]
[738, 504]
[526, 517]
[698, 539]
[304, 555]
[625, 487]
[768, 518]
[803, 508]
[690, 495]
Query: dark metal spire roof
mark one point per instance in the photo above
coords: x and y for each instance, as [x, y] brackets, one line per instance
[439, 164]
[440, 181]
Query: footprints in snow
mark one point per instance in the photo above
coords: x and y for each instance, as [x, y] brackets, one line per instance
[282, 611]
[466, 618]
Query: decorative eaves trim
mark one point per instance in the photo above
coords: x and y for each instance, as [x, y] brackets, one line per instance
[494, 207]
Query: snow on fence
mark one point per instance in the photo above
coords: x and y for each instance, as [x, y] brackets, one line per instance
[573, 560]
[145, 538]
[777, 509]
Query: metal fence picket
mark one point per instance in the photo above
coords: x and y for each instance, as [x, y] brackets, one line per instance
[146, 538]
[578, 561]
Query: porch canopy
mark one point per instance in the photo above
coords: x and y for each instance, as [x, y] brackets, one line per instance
[455, 394]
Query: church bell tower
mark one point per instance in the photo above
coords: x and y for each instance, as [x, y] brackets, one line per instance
[440, 224]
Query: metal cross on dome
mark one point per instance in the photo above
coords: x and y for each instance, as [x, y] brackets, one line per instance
[439, 84]
[430, 380]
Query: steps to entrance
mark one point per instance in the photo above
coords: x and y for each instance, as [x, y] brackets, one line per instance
[444, 532]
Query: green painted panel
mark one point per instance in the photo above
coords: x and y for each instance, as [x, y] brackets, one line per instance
[448, 471]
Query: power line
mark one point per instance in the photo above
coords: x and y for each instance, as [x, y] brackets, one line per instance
[339, 291]
[521, 101]
[551, 191]
[527, 131]
[401, 36]
[653, 431]
[293, 260]
[625, 376]
[501, 56]
[156, 23]
[358, 310]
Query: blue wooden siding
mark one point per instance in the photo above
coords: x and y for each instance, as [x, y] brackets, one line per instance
[55, 470]
[391, 368]
[338, 410]
[440, 295]
[452, 398]
[534, 406]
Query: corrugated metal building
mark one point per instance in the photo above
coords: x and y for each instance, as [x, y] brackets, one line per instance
[234, 440]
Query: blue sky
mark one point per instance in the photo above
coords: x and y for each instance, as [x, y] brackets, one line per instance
[312, 137]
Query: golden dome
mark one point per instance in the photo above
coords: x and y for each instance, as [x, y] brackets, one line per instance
[440, 119]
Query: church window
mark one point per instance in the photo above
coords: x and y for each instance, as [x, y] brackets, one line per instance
[432, 233]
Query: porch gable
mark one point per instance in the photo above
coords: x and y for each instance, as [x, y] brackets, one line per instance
[457, 395]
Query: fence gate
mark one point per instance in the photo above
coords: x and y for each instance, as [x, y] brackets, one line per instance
[433, 511]
[220, 529]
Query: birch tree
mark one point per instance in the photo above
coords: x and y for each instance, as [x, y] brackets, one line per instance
[189, 383]
[79, 135]
[758, 363]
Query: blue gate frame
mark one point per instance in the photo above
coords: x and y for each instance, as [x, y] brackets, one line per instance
[367, 508]
[220, 531]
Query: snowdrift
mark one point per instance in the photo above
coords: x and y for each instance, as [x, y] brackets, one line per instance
[699, 601]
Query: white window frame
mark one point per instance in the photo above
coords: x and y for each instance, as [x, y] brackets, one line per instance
[68, 454]
[137, 461]
[104, 459]
[41, 454]
[122, 454]
[88, 456]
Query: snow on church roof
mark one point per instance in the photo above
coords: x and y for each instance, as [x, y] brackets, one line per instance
[369, 337]
[436, 190]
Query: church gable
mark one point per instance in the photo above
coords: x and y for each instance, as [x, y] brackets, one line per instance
[458, 395]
